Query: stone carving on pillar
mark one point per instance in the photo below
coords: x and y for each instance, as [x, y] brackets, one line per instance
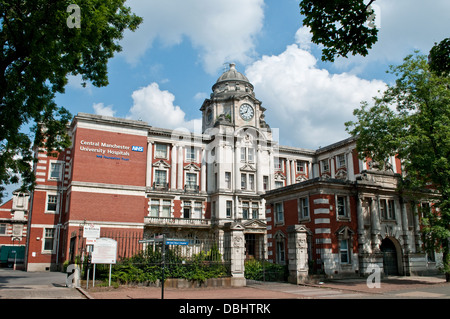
[235, 244]
[297, 253]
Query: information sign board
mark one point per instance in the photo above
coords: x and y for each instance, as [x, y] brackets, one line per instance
[105, 251]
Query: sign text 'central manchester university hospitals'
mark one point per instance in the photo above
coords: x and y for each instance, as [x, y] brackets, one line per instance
[109, 151]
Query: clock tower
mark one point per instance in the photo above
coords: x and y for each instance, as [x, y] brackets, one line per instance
[232, 103]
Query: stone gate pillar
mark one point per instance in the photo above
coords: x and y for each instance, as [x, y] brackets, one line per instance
[234, 248]
[297, 254]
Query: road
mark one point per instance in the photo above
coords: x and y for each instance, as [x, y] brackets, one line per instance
[18, 284]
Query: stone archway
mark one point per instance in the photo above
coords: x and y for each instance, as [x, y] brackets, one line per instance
[391, 251]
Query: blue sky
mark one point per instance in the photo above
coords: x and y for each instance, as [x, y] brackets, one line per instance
[168, 66]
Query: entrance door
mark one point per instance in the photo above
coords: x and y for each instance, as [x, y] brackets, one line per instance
[390, 264]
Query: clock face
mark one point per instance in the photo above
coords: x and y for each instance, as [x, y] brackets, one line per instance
[246, 111]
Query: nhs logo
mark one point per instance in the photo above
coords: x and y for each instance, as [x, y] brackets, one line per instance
[137, 148]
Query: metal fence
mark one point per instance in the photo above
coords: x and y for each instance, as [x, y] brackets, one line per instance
[142, 260]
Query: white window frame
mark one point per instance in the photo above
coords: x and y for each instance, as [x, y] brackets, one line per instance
[157, 155]
[160, 203]
[228, 180]
[325, 165]
[5, 227]
[50, 170]
[191, 154]
[44, 238]
[279, 215]
[339, 161]
[300, 167]
[186, 179]
[154, 176]
[345, 251]
[229, 208]
[301, 208]
[47, 211]
[346, 207]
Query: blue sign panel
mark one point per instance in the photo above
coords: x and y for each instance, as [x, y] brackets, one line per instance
[137, 148]
[177, 242]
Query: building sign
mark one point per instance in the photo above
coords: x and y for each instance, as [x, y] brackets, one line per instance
[109, 151]
[105, 251]
[91, 231]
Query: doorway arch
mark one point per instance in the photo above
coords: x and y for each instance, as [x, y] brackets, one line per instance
[391, 257]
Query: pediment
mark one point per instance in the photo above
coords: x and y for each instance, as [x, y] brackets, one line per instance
[254, 223]
[248, 168]
[279, 176]
[192, 168]
[161, 164]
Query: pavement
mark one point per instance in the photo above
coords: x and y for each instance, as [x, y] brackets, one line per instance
[52, 285]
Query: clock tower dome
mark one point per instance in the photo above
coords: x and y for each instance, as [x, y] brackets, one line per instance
[232, 103]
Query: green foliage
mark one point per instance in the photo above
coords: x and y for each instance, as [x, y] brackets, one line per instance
[264, 270]
[39, 52]
[147, 267]
[412, 120]
[341, 26]
[439, 57]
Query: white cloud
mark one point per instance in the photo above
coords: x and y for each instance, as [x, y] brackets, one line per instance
[309, 105]
[220, 30]
[156, 107]
[101, 109]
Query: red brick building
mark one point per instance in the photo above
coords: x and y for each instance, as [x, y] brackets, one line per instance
[13, 230]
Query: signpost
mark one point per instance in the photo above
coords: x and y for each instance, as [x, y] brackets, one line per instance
[161, 239]
[105, 252]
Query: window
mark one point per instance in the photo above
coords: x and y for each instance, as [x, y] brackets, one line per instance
[251, 181]
[278, 184]
[255, 210]
[229, 208]
[325, 165]
[191, 180]
[303, 208]
[160, 207]
[250, 154]
[243, 154]
[340, 161]
[55, 171]
[277, 164]
[342, 206]
[49, 238]
[191, 154]
[228, 180]
[279, 215]
[187, 209]
[243, 181]
[247, 154]
[344, 251]
[197, 210]
[280, 251]
[391, 210]
[301, 167]
[266, 182]
[160, 150]
[160, 177]
[52, 203]
[245, 207]
[3, 229]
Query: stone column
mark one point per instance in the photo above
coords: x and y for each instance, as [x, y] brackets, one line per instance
[293, 170]
[173, 168]
[259, 178]
[180, 171]
[237, 165]
[203, 171]
[148, 179]
[234, 252]
[297, 254]
[375, 224]
[288, 171]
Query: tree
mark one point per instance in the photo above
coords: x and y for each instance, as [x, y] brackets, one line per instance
[412, 120]
[341, 26]
[43, 42]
